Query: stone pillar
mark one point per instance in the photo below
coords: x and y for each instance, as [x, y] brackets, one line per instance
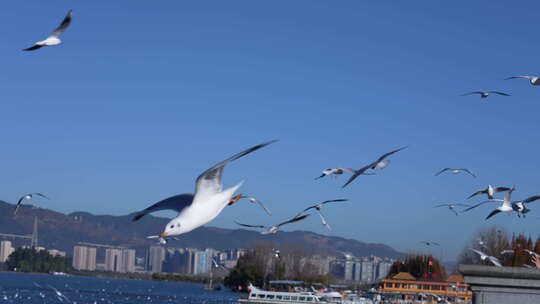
[497, 285]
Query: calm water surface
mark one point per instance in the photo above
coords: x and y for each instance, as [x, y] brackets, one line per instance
[36, 288]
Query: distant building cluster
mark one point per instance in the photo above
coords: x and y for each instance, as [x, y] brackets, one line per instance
[366, 270]
[189, 260]
[116, 259]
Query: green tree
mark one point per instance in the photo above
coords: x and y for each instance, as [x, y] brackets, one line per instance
[31, 260]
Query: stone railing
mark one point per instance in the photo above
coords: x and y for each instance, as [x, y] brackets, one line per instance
[502, 285]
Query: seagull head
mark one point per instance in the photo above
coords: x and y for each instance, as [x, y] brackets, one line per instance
[235, 199]
[174, 227]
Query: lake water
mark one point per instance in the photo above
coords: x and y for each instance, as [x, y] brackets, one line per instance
[37, 288]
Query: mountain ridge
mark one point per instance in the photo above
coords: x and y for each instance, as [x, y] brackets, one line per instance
[62, 231]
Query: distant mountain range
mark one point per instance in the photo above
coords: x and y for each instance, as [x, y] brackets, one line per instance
[63, 231]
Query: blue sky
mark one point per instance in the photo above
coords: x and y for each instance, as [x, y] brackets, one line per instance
[143, 97]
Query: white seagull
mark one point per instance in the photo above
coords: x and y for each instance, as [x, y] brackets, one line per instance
[532, 253]
[252, 200]
[534, 80]
[277, 253]
[195, 210]
[27, 197]
[338, 171]
[490, 191]
[380, 163]
[54, 38]
[520, 207]
[456, 171]
[318, 208]
[507, 251]
[484, 94]
[274, 229]
[484, 256]
[505, 207]
[451, 207]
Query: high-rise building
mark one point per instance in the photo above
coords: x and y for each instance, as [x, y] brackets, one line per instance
[114, 260]
[5, 250]
[348, 271]
[357, 271]
[201, 262]
[128, 261]
[367, 271]
[383, 269]
[155, 258]
[84, 258]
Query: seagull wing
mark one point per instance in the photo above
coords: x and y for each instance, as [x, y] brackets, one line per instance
[33, 48]
[500, 93]
[293, 220]
[477, 193]
[323, 220]
[480, 253]
[520, 76]
[258, 202]
[250, 226]
[479, 204]
[495, 261]
[441, 205]
[176, 203]
[358, 173]
[501, 189]
[474, 92]
[531, 199]
[388, 154]
[210, 181]
[64, 25]
[333, 201]
[494, 212]
[468, 171]
[443, 170]
[42, 195]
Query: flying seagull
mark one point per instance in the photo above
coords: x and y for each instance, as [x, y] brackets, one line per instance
[456, 171]
[430, 243]
[27, 197]
[195, 210]
[338, 171]
[520, 207]
[451, 207]
[380, 163]
[54, 38]
[318, 208]
[534, 80]
[485, 94]
[490, 191]
[507, 251]
[274, 229]
[251, 200]
[532, 253]
[505, 207]
[484, 257]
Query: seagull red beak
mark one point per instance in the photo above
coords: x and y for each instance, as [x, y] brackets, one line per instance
[163, 234]
[235, 199]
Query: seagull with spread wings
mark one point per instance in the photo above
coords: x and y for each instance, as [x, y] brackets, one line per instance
[27, 197]
[274, 229]
[519, 206]
[429, 243]
[505, 207]
[490, 191]
[338, 171]
[484, 94]
[456, 171]
[54, 38]
[195, 210]
[252, 200]
[318, 208]
[534, 80]
[379, 164]
[451, 207]
[490, 258]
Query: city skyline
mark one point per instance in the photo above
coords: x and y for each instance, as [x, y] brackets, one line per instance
[337, 85]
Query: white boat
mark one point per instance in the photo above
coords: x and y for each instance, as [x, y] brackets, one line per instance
[259, 296]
